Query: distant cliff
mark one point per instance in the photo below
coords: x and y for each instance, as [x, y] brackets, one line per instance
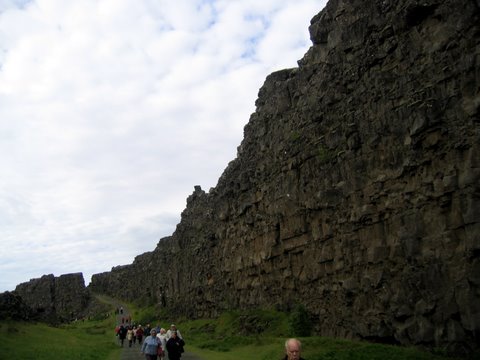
[13, 307]
[52, 299]
[356, 189]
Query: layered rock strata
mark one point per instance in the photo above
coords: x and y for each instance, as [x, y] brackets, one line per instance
[356, 189]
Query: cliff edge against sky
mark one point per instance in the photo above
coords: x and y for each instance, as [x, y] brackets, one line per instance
[355, 191]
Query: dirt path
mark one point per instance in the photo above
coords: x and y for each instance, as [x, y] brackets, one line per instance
[133, 353]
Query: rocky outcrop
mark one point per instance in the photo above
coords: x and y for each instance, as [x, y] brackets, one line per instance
[13, 307]
[55, 299]
[355, 190]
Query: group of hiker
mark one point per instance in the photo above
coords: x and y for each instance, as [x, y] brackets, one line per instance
[158, 344]
[155, 343]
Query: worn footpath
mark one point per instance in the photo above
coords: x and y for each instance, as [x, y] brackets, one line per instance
[133, 353]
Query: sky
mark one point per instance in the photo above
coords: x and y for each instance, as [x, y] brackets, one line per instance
[111, 111]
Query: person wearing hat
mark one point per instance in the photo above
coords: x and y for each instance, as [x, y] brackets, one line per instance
[171, 330]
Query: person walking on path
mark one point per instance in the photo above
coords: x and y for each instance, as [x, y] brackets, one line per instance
[146, 330]
[122, 334]
[130, 336]
[140, 334]
[175, 346]
[163, 340]
[134, 334]
[150, 346]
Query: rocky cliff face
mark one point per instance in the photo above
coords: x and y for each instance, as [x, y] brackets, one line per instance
[13, 307]
[355, 190]
[55, 299]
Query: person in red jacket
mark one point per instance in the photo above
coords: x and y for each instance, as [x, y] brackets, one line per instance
[139, 334]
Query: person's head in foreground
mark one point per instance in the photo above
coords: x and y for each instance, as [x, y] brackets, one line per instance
[293, 348]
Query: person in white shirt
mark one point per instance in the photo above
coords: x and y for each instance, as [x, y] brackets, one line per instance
[171, 330]
[163, 340]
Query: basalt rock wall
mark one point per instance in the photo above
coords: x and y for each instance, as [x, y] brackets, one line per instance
[55, 299]
[13, 307]
[356, 189]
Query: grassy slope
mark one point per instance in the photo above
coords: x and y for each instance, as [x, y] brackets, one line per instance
[89, 340]
[82, 340]
[216, 340]
[233, 336]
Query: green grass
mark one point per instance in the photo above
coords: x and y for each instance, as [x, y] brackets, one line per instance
[260, 335]
[315, 348]
[143, 316]
[254, 335]
[89, 340]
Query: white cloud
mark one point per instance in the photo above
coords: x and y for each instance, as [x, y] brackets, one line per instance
[112, 110]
